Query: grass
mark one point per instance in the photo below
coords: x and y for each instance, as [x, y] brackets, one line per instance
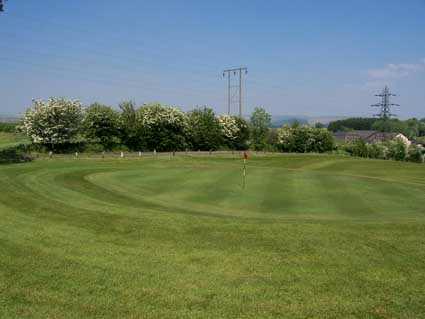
[310, 237]
[11, 139]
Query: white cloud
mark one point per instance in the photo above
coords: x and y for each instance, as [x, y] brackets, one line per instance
[378, 78]
[395, 71]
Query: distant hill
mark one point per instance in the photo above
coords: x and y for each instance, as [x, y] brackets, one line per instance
[9, 119]
[280, 120]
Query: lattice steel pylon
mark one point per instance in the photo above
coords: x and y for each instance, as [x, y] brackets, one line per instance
[385, 104]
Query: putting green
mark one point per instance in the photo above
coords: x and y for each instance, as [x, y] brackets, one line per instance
[309, 236]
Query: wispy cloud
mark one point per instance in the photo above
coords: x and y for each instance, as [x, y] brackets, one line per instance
[396, 71]
[382, 76]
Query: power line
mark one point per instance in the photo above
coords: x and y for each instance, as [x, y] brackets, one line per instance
[2, 5]
[201, 66]
[94, 78]
[235, 90]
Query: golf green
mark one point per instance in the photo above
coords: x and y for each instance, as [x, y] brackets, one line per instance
[179, 237]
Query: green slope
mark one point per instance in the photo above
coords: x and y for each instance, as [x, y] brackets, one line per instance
[11, 139]
[310, 237]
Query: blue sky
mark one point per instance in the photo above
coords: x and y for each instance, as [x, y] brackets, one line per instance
[304, 57]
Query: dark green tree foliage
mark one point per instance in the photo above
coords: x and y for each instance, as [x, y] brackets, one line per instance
[15, 154]
[354, 123]
[162, 128]
[101, 125]
[203, 130]
[8, 127]
[411, 128]
[130, 132]
[260, 124]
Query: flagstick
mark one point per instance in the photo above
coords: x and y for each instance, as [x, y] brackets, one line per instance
[244, 173]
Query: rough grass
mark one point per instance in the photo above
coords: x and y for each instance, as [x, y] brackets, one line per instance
[310, 237]
[11, 139]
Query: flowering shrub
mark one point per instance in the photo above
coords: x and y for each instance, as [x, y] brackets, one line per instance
[303, 139]
[235, 131]
[56, 121]
[396, 149]
[416, 154]
[162, 128]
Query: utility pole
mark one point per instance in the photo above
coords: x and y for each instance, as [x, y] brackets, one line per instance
[385, 104]
[235, 90]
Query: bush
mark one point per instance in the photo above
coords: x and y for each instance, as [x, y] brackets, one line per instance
[15, 154]
[397, 150]
[304, 139]
[376, 150]
[235, 132]
[101, 125]
[357, 148]
[415, 154]
[162, 128]
[8, 127]
[203, 130]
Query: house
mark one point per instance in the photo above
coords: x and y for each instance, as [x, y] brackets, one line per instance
[368, 136]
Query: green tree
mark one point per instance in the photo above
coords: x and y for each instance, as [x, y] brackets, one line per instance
[353, 123]
[130, 131]
[101, 125]
[260, 123]
[204, 131]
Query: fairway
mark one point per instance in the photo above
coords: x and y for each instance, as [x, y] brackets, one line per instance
[177, 237]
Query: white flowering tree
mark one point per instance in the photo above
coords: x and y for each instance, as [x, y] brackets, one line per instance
[53, 122]
[302, 139]
[162, 128]
[235, 131]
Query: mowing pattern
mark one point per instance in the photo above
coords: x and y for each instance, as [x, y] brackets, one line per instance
[310, 236]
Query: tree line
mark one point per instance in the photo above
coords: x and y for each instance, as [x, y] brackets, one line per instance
[412, 128]
[65, 125]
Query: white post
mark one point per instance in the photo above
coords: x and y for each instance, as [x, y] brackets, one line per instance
[122, 154]
[140, 154]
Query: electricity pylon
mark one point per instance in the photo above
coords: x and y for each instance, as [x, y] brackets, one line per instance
[234, 92]
[385, 104]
